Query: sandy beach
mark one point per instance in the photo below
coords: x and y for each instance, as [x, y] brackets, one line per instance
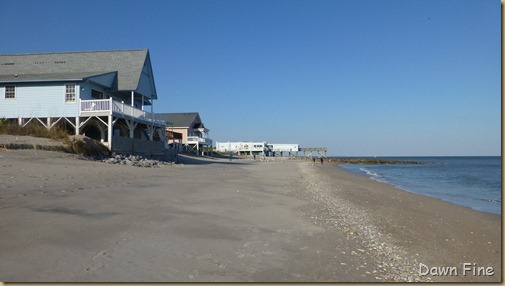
[68, 219]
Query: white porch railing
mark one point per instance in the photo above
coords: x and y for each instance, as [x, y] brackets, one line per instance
[119, 108]
[194, 139]
[95, 105]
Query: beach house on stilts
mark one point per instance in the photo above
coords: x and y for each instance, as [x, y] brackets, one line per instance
[186, 132]
[105, 95]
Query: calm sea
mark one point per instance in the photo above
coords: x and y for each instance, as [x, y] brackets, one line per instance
[473, 182]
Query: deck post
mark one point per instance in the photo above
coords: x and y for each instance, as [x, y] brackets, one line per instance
[131, 124]
[151, 132]
[109, 132]
[77, 125]
[131, 128]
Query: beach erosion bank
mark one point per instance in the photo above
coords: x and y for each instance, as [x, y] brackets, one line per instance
[65, 219]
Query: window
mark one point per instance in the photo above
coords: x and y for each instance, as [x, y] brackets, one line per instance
[10, 91]
[70, 93]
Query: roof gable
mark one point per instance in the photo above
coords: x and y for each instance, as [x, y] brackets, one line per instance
[108, 80]
[128, 64]
[146, 80]
[183, 120]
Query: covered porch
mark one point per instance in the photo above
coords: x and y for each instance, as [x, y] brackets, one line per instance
[111, 119]
[198, 140]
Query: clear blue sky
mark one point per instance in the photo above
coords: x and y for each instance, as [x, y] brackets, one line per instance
[369, 77]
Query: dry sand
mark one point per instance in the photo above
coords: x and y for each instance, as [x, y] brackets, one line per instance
[65, 219]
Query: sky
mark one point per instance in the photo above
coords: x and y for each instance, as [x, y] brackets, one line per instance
[360, 77]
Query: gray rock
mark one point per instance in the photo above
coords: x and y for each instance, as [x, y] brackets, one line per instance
[137, 161]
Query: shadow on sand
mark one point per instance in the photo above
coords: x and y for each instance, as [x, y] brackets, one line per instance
[206, 160]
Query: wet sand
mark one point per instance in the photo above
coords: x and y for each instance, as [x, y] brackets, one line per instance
[65, 219]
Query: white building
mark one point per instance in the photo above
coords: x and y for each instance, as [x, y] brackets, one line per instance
[258, 148]
[243, 148]
[289, 148]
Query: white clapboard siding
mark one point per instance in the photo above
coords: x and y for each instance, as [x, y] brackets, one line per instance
[38, 100]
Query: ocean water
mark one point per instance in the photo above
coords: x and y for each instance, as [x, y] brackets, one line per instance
[473, 182]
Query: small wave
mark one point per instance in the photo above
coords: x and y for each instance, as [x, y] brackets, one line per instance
[371, 173]
[382, 181]
[375, 176]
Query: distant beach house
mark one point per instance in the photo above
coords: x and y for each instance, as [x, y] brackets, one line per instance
[258, 148]
[186, 132]
[281, 149]
[244, 148]
[102, 94]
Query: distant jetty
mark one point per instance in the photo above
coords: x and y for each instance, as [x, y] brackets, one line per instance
[373, 161]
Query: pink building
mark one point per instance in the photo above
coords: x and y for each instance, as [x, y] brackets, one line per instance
[186, 132]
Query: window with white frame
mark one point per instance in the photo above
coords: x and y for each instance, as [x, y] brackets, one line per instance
[70, 93]
[10, 91]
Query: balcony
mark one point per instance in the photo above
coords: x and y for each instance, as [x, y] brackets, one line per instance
[199, 140]
[105, 107]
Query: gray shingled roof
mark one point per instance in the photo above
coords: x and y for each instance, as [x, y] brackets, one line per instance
[181, 119]
[46, 77]
[44, 66]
